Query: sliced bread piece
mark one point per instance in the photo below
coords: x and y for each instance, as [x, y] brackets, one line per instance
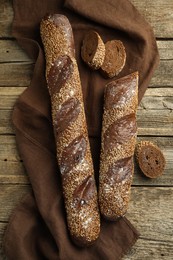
[115, 58]
[150, 159]
[93, 50]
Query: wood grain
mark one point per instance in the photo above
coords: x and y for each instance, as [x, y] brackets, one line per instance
[151, 207]
[159, 92]
[8, 96]
[146, 249]
[156, 239]
[10, 51]
[10, 196]
[165, 49]
[163, 74]
[21, 72]
[12, 169]
[159, 103]
[3, 227]
[6, 18]
[154, 116]
[158, 13]
[154, 209]
[6, 126]
[150, 122]
[154, 99]
[155, 122]
[151, 223]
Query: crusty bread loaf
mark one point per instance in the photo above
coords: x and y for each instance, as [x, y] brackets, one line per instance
[69, 122]
[119, 132]
[115, 58]
[93, 50]
[150, 159]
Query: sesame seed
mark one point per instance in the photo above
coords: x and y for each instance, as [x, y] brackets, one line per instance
[83, 222]
[114, 197]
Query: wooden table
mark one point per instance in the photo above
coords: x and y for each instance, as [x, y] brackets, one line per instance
[151, 207]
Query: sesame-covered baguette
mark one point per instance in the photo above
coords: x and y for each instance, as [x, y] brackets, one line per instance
[119, 132]
[69, 122]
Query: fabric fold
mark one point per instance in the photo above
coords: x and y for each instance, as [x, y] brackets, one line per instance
[37, 229]
[129, 24]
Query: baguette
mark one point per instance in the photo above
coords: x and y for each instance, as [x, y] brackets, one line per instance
[69, 123]
[119, 132]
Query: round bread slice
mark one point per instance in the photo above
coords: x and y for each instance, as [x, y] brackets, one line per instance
[115, 58]
[93, 50]
[150, 159]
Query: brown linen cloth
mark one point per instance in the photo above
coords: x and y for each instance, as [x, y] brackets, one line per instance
[37, 229]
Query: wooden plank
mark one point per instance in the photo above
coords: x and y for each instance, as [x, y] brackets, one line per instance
[8, 149]
[159, 103]
[151, 211]
[157, 99]
[8, 96]
[159, 92]
[10, 51]
[12, 169]
[147, 210]
[10, 176]
[6, 123]
[2, 230]
[10, 196]
[158, 13]
[155, 122]
[150, 122]
[154, 115]
[12, 91]
[6, 18]
[155, 131]
[15, 74]
[163, 74]
[150, 92]
[143, 249]
[15, 179]
[20, 74]
[165, 49]
[146, 249]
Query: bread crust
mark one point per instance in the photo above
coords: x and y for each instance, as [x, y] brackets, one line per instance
[119, 133]
[150, 159]
[115, 58]
[93, 50]
[69, 122]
